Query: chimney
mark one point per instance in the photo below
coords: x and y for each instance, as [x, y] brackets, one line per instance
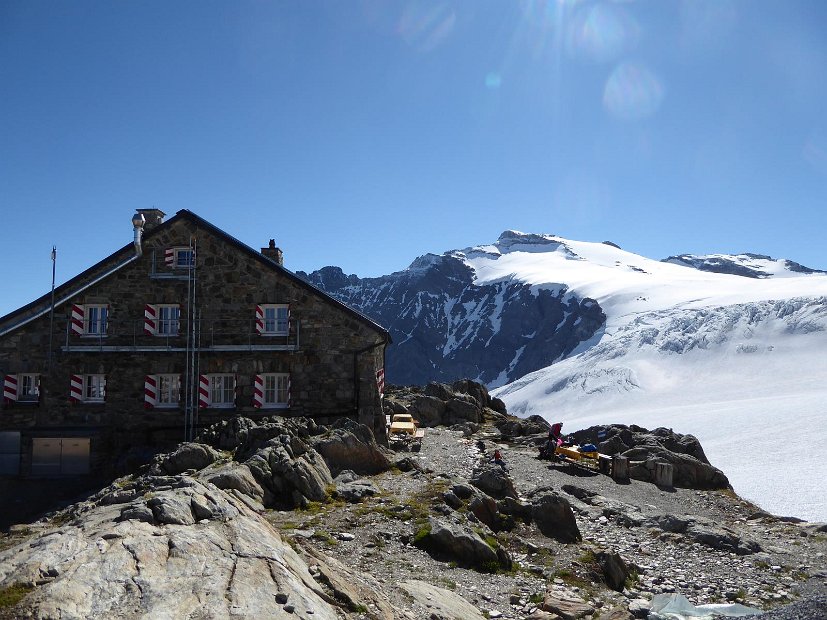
[152, 217]
[273, 252]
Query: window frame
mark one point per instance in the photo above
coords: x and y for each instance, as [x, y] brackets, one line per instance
[224, 390]
[172, 383]
[97, 381]
[270, 395]
[35, 385]
[101, 321]
[161, 323]
[275, 319]
[178, 263]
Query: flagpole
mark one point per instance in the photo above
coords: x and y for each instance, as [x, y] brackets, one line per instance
[52, 312]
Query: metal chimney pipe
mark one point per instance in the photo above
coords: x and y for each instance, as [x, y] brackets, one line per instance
[138, 221]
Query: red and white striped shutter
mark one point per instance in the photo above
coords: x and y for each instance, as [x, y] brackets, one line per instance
[150, 319]
[288, 320]
[203, 391]
[289, 396]
[75, 388]
[235, 391]
[150, 392]
[259, 320]
[169, 257]
[78, 312]
[380, 381]
[258, 391]
[10, 388]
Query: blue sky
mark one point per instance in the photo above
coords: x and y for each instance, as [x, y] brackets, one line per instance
[364, 133]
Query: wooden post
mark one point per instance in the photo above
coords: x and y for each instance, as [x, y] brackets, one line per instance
[663, 474]
[620, 467]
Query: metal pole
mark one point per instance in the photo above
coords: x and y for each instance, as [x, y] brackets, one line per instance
[52, 311]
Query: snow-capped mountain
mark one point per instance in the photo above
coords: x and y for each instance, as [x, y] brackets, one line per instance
[730, 348]
[447, 323]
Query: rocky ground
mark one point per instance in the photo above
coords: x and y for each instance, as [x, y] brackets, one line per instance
[285, 519]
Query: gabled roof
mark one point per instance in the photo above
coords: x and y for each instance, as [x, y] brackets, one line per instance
[122, 257]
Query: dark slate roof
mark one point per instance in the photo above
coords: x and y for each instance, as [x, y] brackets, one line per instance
[41, 304]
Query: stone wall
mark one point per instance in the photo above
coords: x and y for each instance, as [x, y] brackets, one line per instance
[332, 361]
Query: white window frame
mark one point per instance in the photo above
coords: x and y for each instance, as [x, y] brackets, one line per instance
[97, 327]
[274, 325]
[169, 391]
[168, 326]
[223, 386]
[184, 258]
[276, 389]
[94, 383]
[34, 384]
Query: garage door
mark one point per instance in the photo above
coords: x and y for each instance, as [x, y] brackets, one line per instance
[60, 456]
[9, 453]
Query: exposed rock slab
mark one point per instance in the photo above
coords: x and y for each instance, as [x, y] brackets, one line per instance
[442, 604]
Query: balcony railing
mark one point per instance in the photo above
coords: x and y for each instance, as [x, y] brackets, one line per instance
[209, 335]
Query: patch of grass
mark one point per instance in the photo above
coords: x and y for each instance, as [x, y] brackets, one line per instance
[448, 583]
[420, 538]
[313, 507]
[13, 594]
[325, 537]
[632, 579]
[536, 598]
[762, 564]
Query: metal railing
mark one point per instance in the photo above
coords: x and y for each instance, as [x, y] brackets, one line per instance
[213, 335]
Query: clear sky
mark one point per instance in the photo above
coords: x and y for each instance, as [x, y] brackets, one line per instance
[363, 133]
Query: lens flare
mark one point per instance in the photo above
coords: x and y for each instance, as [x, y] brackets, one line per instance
[602, 32]
[424, 26]
[493, 80]
[632, 92]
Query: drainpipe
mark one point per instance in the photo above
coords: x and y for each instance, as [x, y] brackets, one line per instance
[138, 221]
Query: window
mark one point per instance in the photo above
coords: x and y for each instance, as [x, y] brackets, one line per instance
[276, 390]
[28, 388]
[169, 390]
[94, 322]
[184, 258]
[21, 388]
[222, 390]
[273, 319]
[168, 320]
[94, 388]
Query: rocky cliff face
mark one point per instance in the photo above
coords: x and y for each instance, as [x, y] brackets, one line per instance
[445, 326]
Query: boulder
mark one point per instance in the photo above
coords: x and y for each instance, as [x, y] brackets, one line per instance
[351, 446]
[458, 411]
[475, 390]
[615, 571]
[459, 543]
[439, 390]
[554, 518]
[427, 409]
[187, 456]
[566, 604]
[357, 490]
[721, 539]
[287, 480]
[235, 476]
[493, 481]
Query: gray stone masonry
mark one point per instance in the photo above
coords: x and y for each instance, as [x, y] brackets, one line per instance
[331, 354]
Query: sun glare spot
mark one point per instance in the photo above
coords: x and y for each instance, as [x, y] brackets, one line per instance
[632, 92]
[493, 80]
[601, 32]
[424, 26]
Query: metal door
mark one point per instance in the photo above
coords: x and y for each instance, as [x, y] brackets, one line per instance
[74, 457]
[46, 456]
[9, 453]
